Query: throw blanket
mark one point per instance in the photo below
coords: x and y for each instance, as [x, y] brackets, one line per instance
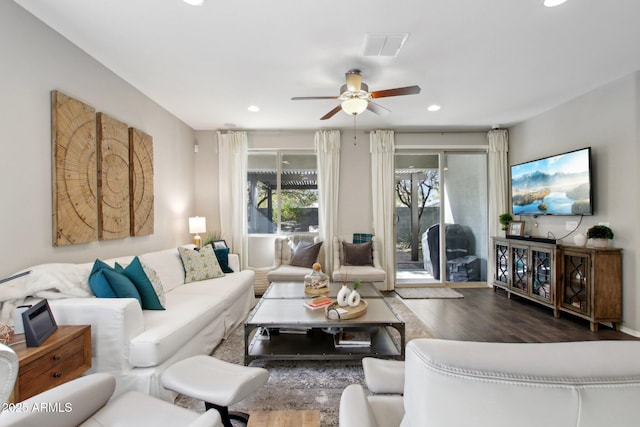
[50, 281]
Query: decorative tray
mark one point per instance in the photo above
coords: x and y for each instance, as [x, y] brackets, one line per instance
[335, 312]
[314, 291]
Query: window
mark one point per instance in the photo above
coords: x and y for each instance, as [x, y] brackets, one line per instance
[283, 192]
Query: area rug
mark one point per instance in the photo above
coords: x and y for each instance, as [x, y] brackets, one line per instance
[427, 293]
[304, 385]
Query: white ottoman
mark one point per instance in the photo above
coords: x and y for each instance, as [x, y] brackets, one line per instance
[219, 384]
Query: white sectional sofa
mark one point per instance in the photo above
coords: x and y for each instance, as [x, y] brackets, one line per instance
[137, 345]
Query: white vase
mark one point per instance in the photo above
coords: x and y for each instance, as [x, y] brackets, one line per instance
[580, 239]
[343, 296]
[354, 298]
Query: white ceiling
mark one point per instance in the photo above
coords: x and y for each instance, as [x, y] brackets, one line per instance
[486, 62]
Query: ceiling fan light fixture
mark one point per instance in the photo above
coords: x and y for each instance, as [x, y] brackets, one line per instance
[354, 106]
[354, 80]
[195, 2]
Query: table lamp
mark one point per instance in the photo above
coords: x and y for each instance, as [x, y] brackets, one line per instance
[197, 225]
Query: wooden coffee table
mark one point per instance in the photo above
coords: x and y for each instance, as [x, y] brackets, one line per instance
[281, 327]
[284, 419]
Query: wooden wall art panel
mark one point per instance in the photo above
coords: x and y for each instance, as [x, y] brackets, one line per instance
[74, 183]
[113, 178]
[141, 182]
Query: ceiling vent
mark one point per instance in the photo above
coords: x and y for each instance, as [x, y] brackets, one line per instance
[384, 44]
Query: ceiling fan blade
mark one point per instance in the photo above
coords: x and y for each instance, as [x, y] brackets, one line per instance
[377, 108]
[331, 113]
[409, 90]
[301, 98]
[354, 80]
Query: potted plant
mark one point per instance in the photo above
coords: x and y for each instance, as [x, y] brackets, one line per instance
[504, 220]
[600, 236]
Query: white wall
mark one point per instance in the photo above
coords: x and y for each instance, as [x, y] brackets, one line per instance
[608, 120]
[36, 60]
[207, 202]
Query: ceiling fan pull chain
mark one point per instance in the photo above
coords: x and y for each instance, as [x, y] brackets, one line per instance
[354, 129]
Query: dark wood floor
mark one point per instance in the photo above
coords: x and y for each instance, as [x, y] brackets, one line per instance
[487, 315]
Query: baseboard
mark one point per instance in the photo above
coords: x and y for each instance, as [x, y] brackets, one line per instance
[630, 331]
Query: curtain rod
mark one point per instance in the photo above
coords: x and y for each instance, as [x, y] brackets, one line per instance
[431, 132]
[274, 131]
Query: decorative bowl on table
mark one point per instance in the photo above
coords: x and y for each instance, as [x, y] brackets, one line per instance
[336, 312]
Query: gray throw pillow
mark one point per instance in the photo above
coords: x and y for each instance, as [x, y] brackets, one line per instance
[358, 253]
[305, 254]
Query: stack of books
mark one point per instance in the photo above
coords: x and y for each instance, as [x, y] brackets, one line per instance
[317, 302]
[353, 338]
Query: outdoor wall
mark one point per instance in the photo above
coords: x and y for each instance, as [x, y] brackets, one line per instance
[36, 60]
[606, 119]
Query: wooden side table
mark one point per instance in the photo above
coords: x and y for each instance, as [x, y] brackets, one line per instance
[284, 419]
[64, 356]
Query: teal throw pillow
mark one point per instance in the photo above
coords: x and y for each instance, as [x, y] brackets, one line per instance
[121, 285]
[98, 282]
[200, 265]
[135, 272]
[222, 254]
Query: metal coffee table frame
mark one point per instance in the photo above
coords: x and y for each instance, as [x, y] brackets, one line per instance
[281, 309]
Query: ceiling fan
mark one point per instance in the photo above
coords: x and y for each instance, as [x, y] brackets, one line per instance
[356, 98]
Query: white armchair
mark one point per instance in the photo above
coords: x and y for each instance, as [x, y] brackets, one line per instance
[282, 270]
[343, 272]
[456, 383]
[85, 402]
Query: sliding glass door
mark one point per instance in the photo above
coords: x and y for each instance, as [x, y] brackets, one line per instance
[417, 182]
[441, 197]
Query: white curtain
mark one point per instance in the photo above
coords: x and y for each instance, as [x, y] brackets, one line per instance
[382, 148]
[327, 143]
[232, 169]
[498, 140]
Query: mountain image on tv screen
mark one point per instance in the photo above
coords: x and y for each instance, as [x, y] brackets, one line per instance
[557, 185]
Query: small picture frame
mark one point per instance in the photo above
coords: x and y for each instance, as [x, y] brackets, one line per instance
[219, 244]
[516, 228]
[39, 324]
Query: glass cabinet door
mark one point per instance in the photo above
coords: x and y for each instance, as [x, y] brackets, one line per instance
[541, 274]
[502, 263]
[575, 283]
[519, 269]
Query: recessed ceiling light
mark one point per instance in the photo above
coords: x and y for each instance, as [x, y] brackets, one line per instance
[195, 2]
[433, 108]
[553, 3]
[253, 108]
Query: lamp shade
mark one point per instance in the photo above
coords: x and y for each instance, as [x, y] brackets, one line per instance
[197, 224]
[354, 106]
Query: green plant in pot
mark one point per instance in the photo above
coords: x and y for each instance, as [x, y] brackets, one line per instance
[505, 219]
[600, 236]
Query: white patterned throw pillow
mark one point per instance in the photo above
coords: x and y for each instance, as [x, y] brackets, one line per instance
[153, 277]
[200, 265]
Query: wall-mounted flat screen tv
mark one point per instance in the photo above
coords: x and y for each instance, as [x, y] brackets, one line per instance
[555, 185]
